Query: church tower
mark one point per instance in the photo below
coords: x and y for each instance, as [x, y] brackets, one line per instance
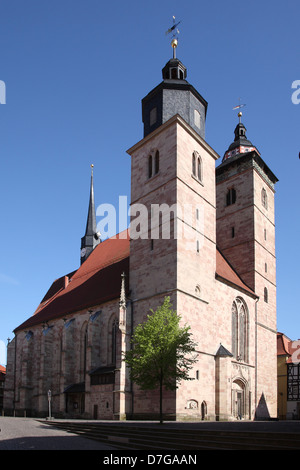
[172, 227]
[91, 238]
[245, 188]
[245, 212]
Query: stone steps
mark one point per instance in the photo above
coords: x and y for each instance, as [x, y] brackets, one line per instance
[144, 437]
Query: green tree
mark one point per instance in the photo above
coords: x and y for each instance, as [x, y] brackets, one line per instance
[162, 352]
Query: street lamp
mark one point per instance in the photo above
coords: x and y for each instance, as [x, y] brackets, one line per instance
[49, 402]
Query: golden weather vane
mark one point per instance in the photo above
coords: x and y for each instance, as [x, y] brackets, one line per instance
[239, 106]
[174, 32]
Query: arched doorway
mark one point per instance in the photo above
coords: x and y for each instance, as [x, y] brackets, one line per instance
[239, 399]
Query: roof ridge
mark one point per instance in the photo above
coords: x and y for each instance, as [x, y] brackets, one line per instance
[96, 268]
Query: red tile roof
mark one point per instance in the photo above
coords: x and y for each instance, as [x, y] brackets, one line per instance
[2, 369]
[98, 280]
[288, 347]
[226, 272]
[283, 345]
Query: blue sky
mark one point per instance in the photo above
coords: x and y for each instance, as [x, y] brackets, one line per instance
[75, 73]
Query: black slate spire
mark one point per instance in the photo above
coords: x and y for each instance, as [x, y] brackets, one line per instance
[241, 144]
[174, 95]
[91, 238]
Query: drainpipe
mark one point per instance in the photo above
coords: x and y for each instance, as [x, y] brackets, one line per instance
[131, 333]
[15, 371]
[256, 302]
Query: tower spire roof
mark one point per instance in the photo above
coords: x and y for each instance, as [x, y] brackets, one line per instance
[91, 218]
[240, 144]
[91, 238]
[174, 96]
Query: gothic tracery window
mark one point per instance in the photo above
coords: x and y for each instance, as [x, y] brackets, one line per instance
[240, 333]
[115, 326]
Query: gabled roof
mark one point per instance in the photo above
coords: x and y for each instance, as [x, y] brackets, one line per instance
[98, 280]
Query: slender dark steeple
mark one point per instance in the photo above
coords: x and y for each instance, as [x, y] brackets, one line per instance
[91, 238]
[241, 144]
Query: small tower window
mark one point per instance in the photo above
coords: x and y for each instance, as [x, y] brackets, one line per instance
[230, 197]
[149, 166]
[194, 165]
[197, 120]
[153, 116]
[174, 73]
[157, 162]
[199, 169]
[264, 198]
[197, 166]
[266, 295]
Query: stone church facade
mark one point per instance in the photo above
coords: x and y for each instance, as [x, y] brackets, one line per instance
[211, 250]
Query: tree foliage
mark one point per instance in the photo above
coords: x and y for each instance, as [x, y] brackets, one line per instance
[162, 351]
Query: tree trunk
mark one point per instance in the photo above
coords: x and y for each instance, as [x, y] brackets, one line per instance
[160, 401]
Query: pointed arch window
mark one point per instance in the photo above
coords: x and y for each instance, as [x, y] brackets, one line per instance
[85, 345]
[153, 164]
[194, 165]
[240, 329]
[197, 169]
[115, 326]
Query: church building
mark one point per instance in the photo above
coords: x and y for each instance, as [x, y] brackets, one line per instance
[210, 248]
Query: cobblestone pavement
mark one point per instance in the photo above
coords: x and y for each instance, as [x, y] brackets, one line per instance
[30, 434]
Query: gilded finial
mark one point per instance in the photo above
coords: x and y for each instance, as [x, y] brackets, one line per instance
[239, 106]
[174, 42]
